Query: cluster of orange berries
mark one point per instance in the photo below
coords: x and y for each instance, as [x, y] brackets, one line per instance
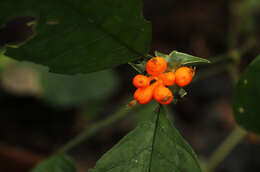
[156, 66]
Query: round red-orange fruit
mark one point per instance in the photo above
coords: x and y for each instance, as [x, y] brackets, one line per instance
[183, 76]
[141, 81]
[162, 95]
[144, 95]
[168, 78]
[156, 66]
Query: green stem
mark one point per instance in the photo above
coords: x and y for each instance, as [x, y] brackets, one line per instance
[94, 128]
[225, 148]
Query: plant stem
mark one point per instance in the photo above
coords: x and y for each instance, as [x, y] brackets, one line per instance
[225, 148]
[94, 128]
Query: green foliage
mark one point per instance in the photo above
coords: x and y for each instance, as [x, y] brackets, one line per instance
[249, 10]
[155, 145]
[79, 36]
[58, 163]
[246, 98]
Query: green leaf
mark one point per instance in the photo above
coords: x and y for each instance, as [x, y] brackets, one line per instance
[154, 146]
[246, 98]
[178, 59]
[144, 113]
[158, 54]
[139, 67]
[80, 36]
[58, 163]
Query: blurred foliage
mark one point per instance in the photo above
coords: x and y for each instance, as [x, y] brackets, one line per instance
[246, 98]
[57, 163]
[250, 14]
[62, 90]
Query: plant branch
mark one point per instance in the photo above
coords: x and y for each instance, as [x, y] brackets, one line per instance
[225, 148]
[96, 127]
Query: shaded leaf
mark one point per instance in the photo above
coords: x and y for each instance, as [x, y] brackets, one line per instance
[59, 163]
[80, 36]
[154, 146]
[139, 67]
[246, 98]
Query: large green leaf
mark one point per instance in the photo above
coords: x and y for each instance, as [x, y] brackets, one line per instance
[154, 146]
[246, 98]
[58, 163]
[80, 36]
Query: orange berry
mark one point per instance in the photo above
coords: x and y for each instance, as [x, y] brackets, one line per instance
[184, 76]
[168, 78]
[156, 66]
[141, 81]
[163, 95]
[144, 95]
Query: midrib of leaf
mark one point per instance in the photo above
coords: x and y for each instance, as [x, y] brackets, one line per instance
[115, 38]
[156, 127]
[154, 137]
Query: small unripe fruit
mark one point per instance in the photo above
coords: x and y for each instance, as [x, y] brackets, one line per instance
[156, 66]
[144, 95]
[183, 76]
[163, 95]
[168, 78]
[141, 81]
